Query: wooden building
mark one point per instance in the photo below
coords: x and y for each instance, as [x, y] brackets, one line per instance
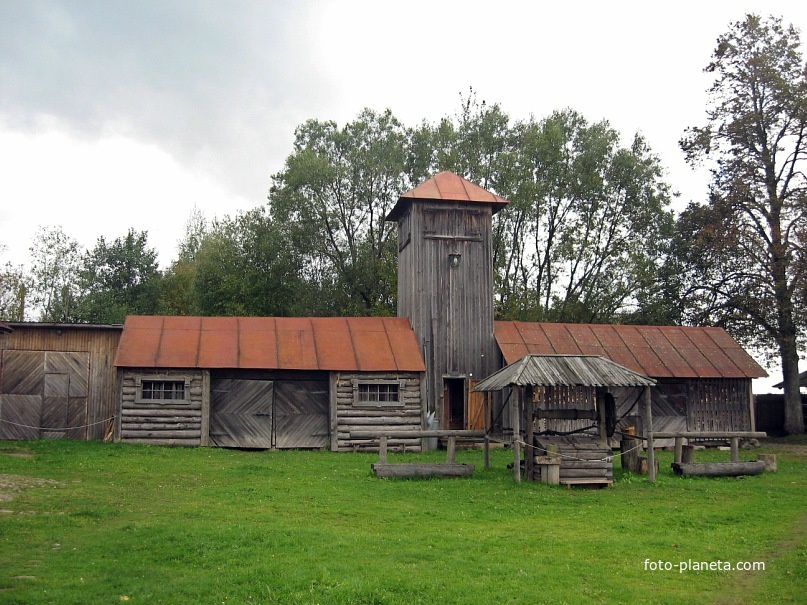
[57, 380]
[445, 288]
[703, 377]
[268, 382]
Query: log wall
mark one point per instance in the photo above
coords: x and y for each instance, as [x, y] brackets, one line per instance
[172, 423]
[346, 416]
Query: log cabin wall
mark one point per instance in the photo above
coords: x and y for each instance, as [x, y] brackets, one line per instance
[58, 380]
[445, 288]
[351, 410]
[178, 421]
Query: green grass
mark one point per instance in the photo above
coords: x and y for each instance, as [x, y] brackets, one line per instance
[141, 524]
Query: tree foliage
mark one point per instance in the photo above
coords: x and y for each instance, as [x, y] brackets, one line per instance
[117, 279]
[55, 264]
[741, 254]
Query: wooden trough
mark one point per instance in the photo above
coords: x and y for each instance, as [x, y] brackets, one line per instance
[684, 465]
[718, 469]
[407, 470]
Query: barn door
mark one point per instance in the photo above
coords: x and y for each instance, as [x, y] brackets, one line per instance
[301, 414]
[44, 394]
[241, 413]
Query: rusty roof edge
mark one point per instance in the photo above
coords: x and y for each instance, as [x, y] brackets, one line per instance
[391, 348]
[729, 357]
[314, 340]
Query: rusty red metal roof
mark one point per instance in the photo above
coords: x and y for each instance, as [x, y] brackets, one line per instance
[364, 344]
[655, 351]
[447, 187]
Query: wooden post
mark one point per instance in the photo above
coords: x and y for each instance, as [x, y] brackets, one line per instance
[451, 449]
[487, 452]
[515, 420]
[769, 460]
[679, 444]
[735, 449]
[529, 449]
[687, 454]
[382, 450]
[651, 453]
[600, 399]
[629, 454]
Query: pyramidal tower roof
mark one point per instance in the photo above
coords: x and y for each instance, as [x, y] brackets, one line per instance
[447, 187]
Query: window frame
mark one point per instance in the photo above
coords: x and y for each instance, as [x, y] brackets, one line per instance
[377, 383]
[186, 381]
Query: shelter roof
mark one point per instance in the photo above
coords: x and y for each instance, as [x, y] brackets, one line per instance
[365, 344]
[447, 187]
[802, 381]
[563, 370]
[5, 328]
[655, 351]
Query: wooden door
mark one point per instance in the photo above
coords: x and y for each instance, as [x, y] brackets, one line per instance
[477, 410]
[44, 394]
[241, 413]
[301, 414]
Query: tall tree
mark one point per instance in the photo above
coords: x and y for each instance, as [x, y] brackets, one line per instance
[14, 285]
[55, 263]
[742, 252]
[248, 265]
[117, 279]
[337, 187]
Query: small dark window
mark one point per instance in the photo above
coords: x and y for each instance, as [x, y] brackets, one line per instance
[377, 393]
[162, 390]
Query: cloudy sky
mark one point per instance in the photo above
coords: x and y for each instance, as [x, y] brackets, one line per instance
[118, 114]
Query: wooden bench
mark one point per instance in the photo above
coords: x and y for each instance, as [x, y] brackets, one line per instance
[449, 468]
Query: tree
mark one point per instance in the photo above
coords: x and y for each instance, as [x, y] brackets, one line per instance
[742, 252]
[55, 262]
[249, 265]
[117, 279]
[14, 285]
[336, 189]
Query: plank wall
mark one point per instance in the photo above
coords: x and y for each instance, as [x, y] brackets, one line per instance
[100, 344]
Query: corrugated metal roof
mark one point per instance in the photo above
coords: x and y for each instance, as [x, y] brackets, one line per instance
[447, 187]
[564, 370]
[655, 351]
[365, 344]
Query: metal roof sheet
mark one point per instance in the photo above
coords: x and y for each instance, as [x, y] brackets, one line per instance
[447, 187]
[368, 344]
[563, 370]
[655, 351]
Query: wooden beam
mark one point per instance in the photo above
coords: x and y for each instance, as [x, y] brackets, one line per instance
[416, 434]
[711, 435]
[651, 452]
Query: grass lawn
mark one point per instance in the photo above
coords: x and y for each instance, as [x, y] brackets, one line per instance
[110, 523]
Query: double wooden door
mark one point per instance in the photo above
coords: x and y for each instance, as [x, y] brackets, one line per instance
[44, 394]
[283, 414]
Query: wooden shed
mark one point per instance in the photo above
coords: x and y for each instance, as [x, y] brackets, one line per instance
[57, 380]
[264, 382]
[703, 376]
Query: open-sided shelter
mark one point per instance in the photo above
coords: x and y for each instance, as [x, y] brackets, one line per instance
[265, 382]
[703, 376]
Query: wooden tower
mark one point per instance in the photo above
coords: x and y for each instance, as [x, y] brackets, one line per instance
[445, 288]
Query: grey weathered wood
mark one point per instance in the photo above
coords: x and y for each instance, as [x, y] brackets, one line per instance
[719, 469]
[442, 300]
[769, 460]
[629, 454]
[568, 414]
[382, 449]
[735, 449]
[515, 417]
[419, 433]
[167, 434]
[156, 426]
[408, 470]
[651, 451]
[711, 434]
[687, 454]
[451, 450]
[204, 429]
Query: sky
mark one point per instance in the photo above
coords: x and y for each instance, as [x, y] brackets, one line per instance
[117, 114]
